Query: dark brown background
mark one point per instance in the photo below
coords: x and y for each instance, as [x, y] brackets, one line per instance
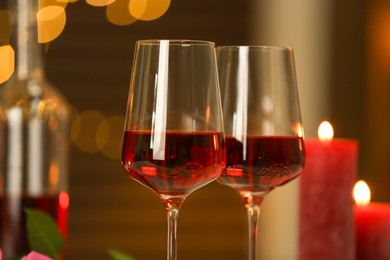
[90, 63]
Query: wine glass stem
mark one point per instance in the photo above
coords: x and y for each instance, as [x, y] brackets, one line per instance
[253, 209]
[173, 214]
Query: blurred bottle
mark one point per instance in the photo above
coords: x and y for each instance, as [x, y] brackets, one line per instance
[34, 137]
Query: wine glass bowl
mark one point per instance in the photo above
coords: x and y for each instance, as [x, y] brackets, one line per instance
[274, 161]
[191, 160]
[262, 122]
[173, 137]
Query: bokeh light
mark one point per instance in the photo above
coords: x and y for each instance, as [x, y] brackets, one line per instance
[109, 136]
[51, 16]
[46, 3]
[51, 22]
[84, 129]
[99, 2]
[7, 62]
[92, 132]
[118, 13]
[67, 1]
[147, 10]
[5, 26]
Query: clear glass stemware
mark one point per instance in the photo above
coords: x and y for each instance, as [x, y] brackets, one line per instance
[174, 139]
[262, 121]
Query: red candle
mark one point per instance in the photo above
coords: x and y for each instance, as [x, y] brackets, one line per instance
[62, 213]
[372, 223]
[326, 203]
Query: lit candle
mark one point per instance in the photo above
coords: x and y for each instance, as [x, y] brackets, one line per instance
[326, 205]
[372, 222]
[62, 213]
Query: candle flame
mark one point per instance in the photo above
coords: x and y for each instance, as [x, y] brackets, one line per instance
[361, 193]
[325, 131]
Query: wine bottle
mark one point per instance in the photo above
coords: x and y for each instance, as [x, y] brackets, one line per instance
[34, 137]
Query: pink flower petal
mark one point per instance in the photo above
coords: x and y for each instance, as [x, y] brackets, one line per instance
[35, 256]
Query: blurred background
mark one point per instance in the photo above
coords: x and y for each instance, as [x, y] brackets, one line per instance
[342, 51]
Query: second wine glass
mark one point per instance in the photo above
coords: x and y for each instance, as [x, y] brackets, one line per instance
[174, 141]
[264, 134]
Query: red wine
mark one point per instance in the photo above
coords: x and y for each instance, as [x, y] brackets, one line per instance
[14, 240]
[173, 163]
[260, 163]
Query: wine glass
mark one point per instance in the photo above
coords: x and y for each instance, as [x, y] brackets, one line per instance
[262, 122]
[174, 141]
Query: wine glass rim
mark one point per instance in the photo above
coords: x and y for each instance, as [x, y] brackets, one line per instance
[255, 47]
[174, 42]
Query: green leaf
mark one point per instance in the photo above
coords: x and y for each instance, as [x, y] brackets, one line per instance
[15, 257]
[43, 234]
[119, 255]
